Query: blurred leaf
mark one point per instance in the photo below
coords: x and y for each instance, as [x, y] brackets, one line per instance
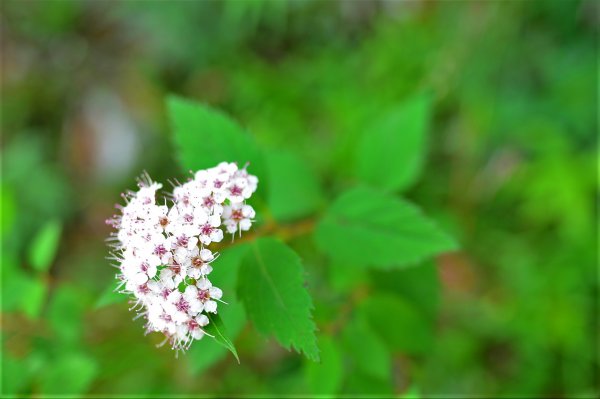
[65, 313]
[34, 296]
[343, 276]
[411, 393]
[293, 187]
[271, 285]
[205, 137]
[70, 374]
[392, 150]
[8, 209]
[15, 375]
[45, 245]
[370, 228]
[109, 296]
[367, 350]
[28, 173]
[217, 329]
[420, 286]
[361, 384]
[20, 291]
[325, 377]
[400, 325]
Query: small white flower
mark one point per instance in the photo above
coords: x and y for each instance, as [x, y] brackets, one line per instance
[178, 307]
[238, 217]
[210, 232]
[199, 262]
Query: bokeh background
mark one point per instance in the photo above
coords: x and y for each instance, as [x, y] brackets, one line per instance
[511, 172]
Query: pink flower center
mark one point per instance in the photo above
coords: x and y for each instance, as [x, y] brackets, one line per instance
[203, 295]
[193, 324]
[209, 201]
[188, 218]
[235, 190]
[197, 261]
[183, 241]
[206, 229]
[237, 215]
[182, 305]
[160, 250]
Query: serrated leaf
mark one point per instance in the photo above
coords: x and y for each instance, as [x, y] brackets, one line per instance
[367, 227]
[44, 245]
[271, 285]
[205, 137]
[391, 152]
[217, 329]
[325, 377]
[294, 190]
[411, 333]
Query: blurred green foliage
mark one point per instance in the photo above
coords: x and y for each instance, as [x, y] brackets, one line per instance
[484, 114]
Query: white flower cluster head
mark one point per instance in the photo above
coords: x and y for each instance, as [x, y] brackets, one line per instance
[162, 250]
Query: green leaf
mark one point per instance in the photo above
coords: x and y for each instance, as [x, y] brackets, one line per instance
[109, 296]
[271, 285]
[33, 300]
[216, 328]
[411, 393]
[359, 384]
[391, 152]
[325, 377]
[16, 282]
[44, 245]
[367, 350]
[15, 374]
[205, 137]
[65, 313]
[8, 208]
[294, 190]
[375, 229]
[420, 286]
[71, 374]
[205, 353]
[345, 276]
[401, 326]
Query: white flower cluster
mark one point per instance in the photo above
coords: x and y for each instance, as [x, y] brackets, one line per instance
[163, 259]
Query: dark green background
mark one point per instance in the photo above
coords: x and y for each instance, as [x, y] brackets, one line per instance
[510, 172]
